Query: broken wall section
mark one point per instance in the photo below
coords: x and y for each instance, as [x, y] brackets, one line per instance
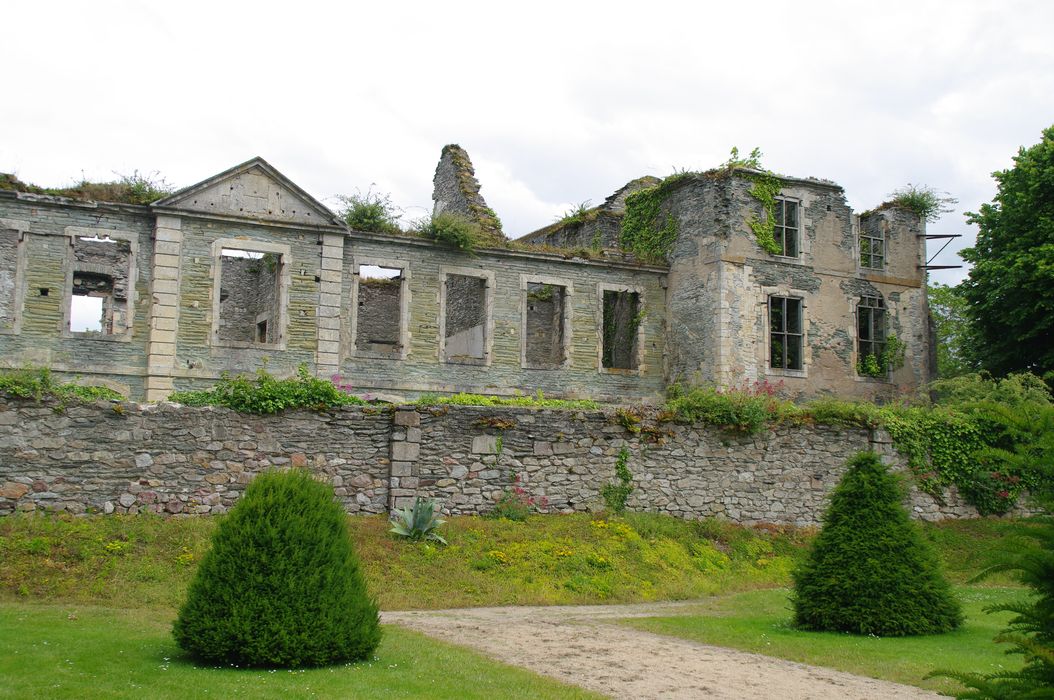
[456, 191]
[9, 291]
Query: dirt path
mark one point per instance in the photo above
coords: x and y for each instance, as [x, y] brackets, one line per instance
[580, 645]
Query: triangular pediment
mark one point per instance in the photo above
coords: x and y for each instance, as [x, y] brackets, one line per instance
[252, 190]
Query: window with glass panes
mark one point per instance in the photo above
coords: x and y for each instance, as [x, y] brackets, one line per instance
[871, 326]
[785, 333]
[872, 249]
[786, 227]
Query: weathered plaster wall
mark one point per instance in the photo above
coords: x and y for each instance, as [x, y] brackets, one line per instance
[163, 458]
[721, 279]
[10, 293]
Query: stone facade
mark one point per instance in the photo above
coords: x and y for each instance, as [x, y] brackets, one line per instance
[163, 458]
[246, 270]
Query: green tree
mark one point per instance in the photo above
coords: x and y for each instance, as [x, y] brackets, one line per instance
[1010, 290]
[869, 570]
[1031, 558]
[281, 585]
[955, 348]
[370, 211]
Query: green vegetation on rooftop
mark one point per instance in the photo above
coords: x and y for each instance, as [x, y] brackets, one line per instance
[126, 189]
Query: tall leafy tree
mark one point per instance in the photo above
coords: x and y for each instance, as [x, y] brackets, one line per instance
[955, 351]
[1010, 290]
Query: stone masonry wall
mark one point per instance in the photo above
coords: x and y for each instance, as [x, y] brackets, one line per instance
[163, 458]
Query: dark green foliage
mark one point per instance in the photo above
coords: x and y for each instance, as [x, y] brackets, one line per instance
[616, 494]
[956, 347]
[38, 383]
[372, 211]
[1010, 290]
[453, 230]
[266, 394]
[869, 570]
[281, 586]
[1031, 557]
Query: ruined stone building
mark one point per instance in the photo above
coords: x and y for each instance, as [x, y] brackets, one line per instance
[245, 270]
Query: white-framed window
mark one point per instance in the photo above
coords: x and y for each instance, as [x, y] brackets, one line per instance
[380, 300]
[250, 284]
[466, 327]
[545, 330]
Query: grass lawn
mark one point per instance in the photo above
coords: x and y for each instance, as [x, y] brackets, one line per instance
[759, 621]
[92, 652]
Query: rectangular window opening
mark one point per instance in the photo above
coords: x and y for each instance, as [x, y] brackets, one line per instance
[99, 293]
[379, 312]
[249, 296]
[872, 246]
[871, 333]
[785, 333]
[544, 340]
[622, 318]
[466, 318]
[786, 228]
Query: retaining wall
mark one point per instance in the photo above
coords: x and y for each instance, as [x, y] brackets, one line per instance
[170, 459]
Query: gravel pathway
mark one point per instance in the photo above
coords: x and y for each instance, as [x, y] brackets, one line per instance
[581, 645]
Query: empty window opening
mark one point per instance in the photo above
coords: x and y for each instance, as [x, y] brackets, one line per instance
[545, 325]
[248, 306]
[622, 319]
[379, 313]
[786, 227]
[871, 334]
[785, 333]
[872, 244]
[99, 293]
[8, 277]
[466, 318]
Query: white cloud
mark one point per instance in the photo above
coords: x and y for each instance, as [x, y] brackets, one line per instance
[557, 103]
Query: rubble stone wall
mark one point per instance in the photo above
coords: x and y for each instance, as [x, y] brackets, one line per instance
[168, 459]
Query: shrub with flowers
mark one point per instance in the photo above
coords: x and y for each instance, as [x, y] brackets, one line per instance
[515, 503]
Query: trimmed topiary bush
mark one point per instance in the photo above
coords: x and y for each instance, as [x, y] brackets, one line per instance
[281, 585]
[869, 570]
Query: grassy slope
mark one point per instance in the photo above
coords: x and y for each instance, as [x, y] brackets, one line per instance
[91, 652]
[758, 621]
[142, 565]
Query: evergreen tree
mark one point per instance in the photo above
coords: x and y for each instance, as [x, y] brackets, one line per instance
[869, 571]
[281, 585]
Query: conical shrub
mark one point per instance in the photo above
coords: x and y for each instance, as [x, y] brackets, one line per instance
[281, 585]
[869, 570]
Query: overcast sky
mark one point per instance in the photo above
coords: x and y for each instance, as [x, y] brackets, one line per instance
[556, 103]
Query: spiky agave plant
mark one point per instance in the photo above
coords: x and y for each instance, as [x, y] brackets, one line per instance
[418, 522]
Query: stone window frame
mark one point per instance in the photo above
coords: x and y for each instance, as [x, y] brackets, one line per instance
[488, 310]
[353, 351]
[781, 202]
[18, 294]
[284, 253]
[74, 232]
[861, 236]
[769, 293]
[527, 279]
[885, 307]
[639, 291]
